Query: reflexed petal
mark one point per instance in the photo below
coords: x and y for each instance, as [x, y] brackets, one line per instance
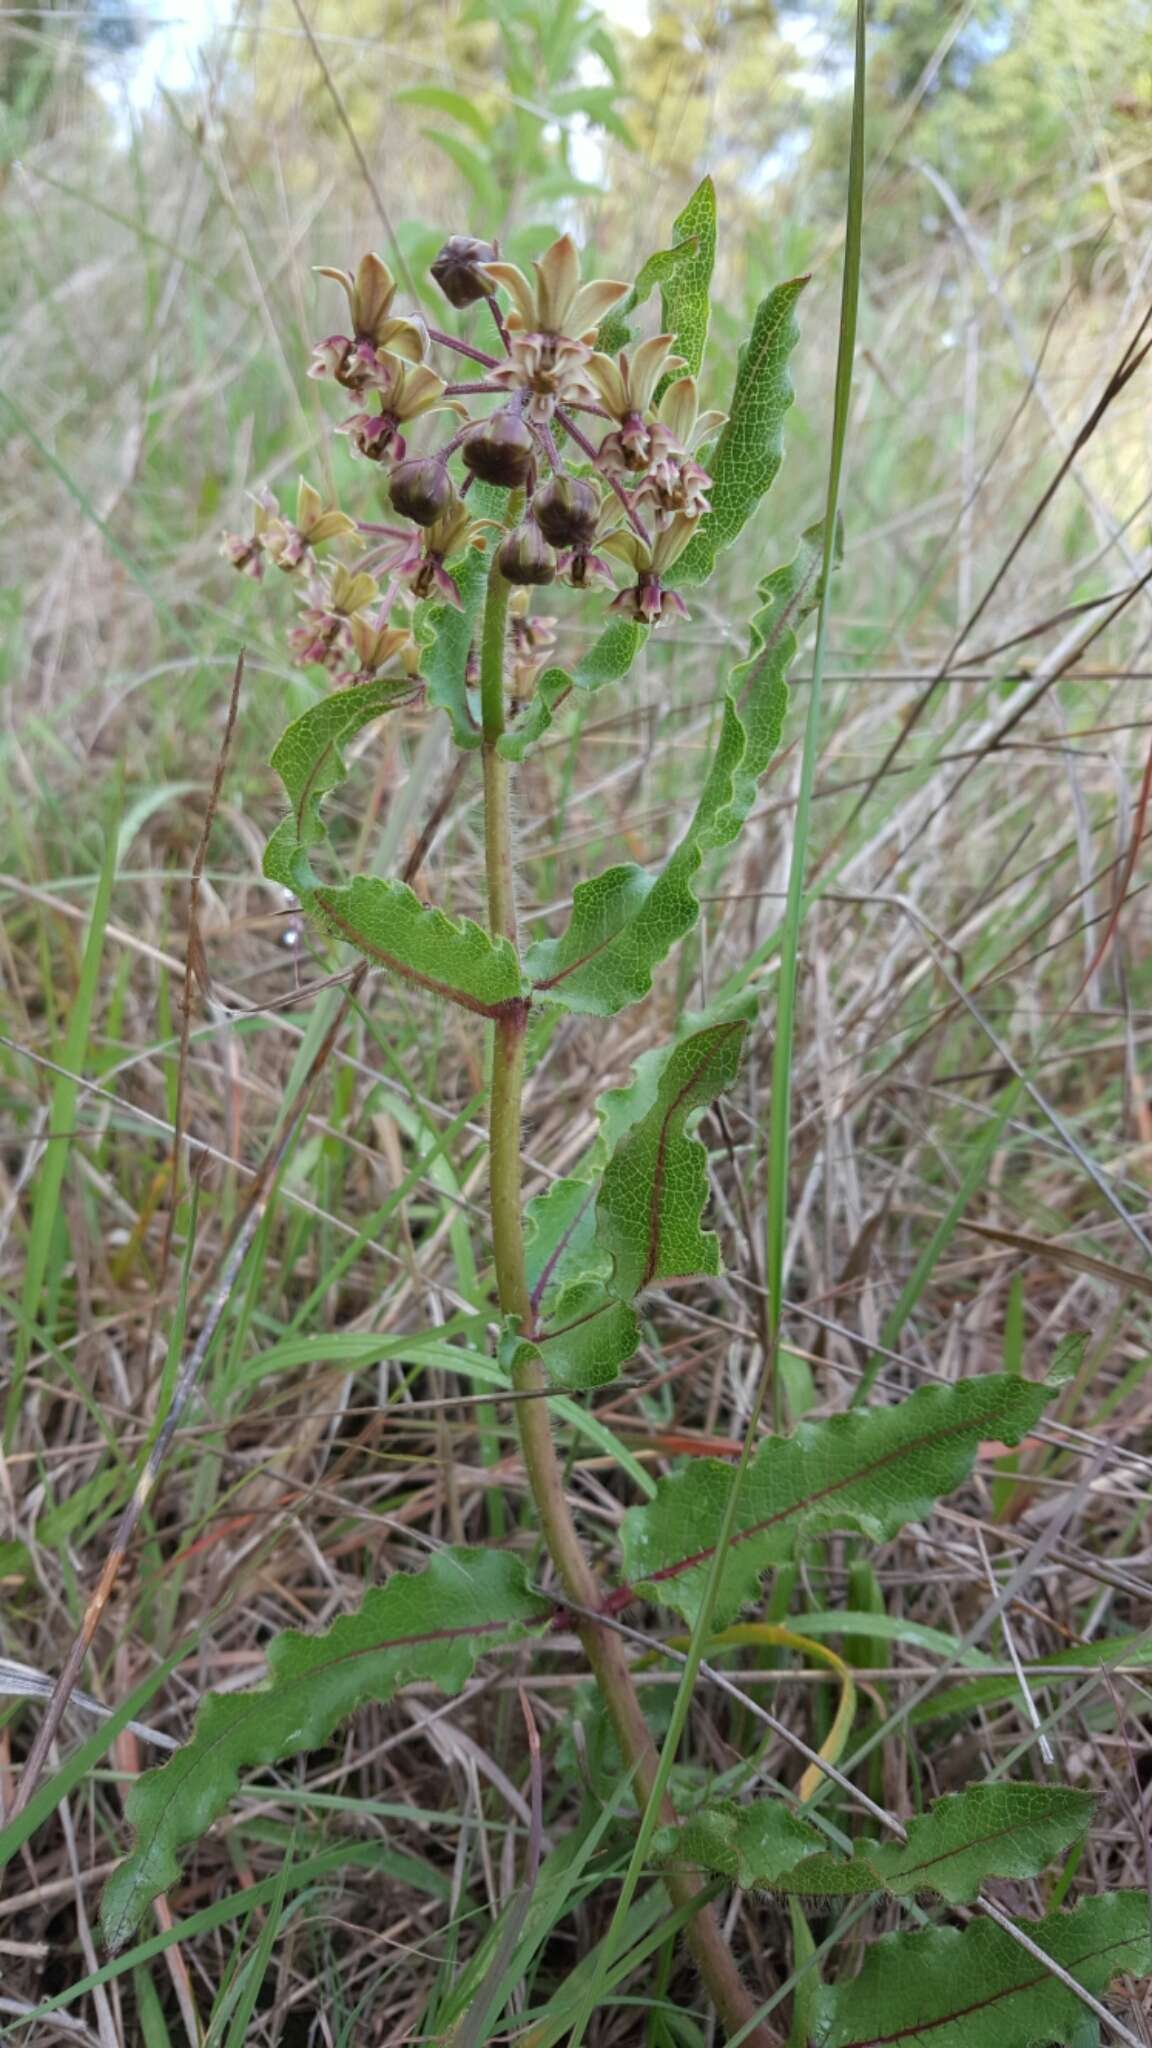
[605, 374]
[670, 544]
[518, 288]
[373, 295]
[627, 547]
[329, 525]
[405, 338]
[591, 303]
[709, 423]
[678, 409]
[648, 364]
[308, 504]
[557, 283]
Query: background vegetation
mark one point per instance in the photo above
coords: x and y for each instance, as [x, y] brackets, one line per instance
[977, 916]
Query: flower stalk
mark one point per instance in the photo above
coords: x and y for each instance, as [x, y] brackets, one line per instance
[603, 1648]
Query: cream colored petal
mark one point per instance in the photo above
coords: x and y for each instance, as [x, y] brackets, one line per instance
[678, 409]
[356, 592]
[648, 364]
[670, 544]
[517, 287]
[308, 503]
[709, 423]
[375, 291]
[605, 374]
[422, 389]
[329, 525]
[557, 283]
[342, 277]
[404, 338]
[627, 547]
[591, 303]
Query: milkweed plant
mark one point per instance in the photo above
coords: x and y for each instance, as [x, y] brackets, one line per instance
[552, 447]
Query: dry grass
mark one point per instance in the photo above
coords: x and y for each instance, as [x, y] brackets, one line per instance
[976, 918]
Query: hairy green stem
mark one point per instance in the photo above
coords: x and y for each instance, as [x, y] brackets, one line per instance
[604, 1649]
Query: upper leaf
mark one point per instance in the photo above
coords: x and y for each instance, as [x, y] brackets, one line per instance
[871, 1470]
[748, 454]
[987, 1831]
[685, 305]
[444, 664]
[625, 921]
[590, 1253]
[976, 1988]
[429, 1625]
[656, 1183]
[614, 332]
[308, 760]
[449, 957]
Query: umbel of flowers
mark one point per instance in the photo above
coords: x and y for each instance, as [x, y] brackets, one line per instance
[603, 450]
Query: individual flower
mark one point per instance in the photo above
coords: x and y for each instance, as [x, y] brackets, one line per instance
[246, 551]
[567, 511]
[458, 272]
[404, 394]
[551, 325]
[675, 482]
[525, 556]
[500, 450]
[557, 303]
[322, 633]
[550, 369]
[421, 489]
[580, 564]
[287, 542]
[353, 358]
[626, 385]
[530, 639]
[646, 600]
[375, 643]
[419, 561]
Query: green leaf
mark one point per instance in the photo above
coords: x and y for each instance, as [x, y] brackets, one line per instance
[685, 307]
[754, 1845]
[614, 332]
[444, 665]
[871, 1470]
[748, 454]
[443, 101]
[431, 1625]
[589, 1254]
[976, 1988]
[309, 762]
[386, 921]
[988, 1831]
[598, 104]
[625, 921]
[607, 661]
[656, 1183]
[588, 1335]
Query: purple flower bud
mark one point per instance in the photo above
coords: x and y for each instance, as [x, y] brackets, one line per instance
[525, 556]
[567, 510]
[456, 270]
[501, 451]
[421, 489]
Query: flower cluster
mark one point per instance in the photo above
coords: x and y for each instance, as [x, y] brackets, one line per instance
[602, 450]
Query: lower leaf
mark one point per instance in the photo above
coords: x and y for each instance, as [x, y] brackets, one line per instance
[430, 1625]
[976, 1988]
